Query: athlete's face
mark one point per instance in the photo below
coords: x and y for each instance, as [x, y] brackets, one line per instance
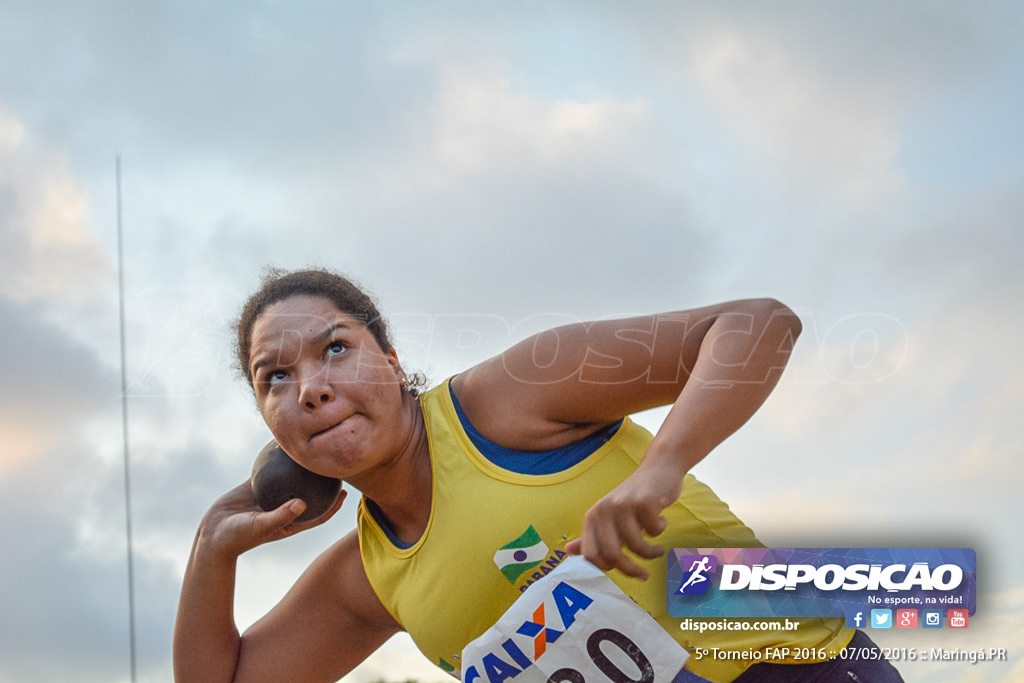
[330, 395]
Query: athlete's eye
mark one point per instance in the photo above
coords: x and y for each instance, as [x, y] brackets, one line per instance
[335, 349]
[276, 377]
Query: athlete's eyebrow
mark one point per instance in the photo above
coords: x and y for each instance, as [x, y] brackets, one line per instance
[263, 360]
[321, 338]
[329, 332]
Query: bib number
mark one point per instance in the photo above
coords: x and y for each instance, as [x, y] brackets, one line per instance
[574, 626]
[605, 665]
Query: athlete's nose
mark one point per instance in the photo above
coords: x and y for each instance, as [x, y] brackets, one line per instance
[315, 390]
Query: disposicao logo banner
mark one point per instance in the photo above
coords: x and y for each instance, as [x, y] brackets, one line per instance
[817, 582]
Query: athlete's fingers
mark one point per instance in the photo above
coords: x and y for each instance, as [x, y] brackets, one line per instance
[651, 520]
[630, 536]
[590, 542]
[317, 521]
[644, 549]
[638, 543]
[618, 522]
[588, 550]
[636, 518]
[629, 532]
[277, 521]
[609, 531]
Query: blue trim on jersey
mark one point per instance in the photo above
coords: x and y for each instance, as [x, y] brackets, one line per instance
[378, 517]
[520, 462]
[534, 462]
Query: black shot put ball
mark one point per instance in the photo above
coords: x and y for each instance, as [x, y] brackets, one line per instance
[276, 479]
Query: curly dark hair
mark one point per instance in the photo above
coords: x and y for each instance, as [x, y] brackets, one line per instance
[279, 284]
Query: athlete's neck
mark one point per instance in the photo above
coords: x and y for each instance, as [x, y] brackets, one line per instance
[402, 488]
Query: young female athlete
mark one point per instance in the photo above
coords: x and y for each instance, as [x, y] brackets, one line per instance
[532, 449]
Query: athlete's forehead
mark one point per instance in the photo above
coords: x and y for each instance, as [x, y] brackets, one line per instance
[288, 326]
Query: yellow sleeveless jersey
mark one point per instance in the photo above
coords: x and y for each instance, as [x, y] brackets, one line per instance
[493, 532]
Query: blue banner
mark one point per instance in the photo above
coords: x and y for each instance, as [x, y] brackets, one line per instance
[819, 582]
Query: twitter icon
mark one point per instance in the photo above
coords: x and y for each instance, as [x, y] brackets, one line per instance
[881, 618]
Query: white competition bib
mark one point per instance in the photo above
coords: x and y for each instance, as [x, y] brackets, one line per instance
[576, 626]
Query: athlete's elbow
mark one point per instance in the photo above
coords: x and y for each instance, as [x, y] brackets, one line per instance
[792, 321]
[779, 318]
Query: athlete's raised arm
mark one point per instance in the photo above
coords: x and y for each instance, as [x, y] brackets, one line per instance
[716, 365]
[327, 623]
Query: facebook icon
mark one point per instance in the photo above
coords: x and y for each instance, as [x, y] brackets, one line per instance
[854, 618]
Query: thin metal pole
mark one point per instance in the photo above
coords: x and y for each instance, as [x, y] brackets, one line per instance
[124, 428]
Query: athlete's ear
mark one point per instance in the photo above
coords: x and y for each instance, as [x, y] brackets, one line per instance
[396, 366]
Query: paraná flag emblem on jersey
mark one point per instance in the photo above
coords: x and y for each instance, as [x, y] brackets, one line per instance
[520, 555]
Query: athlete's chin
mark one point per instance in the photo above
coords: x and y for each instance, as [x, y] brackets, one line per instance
[339, 450]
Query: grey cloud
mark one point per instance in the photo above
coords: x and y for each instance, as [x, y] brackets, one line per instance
[65, 605]
[271, 86]
[967, 259]
[65, 571]
[892, 50]
[49, 377]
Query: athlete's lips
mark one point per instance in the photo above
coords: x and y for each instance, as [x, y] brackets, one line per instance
[329, 427]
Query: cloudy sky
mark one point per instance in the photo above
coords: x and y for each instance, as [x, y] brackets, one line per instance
[488, 170]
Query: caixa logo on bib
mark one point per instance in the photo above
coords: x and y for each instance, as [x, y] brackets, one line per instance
[817, 582]
[531, 639]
